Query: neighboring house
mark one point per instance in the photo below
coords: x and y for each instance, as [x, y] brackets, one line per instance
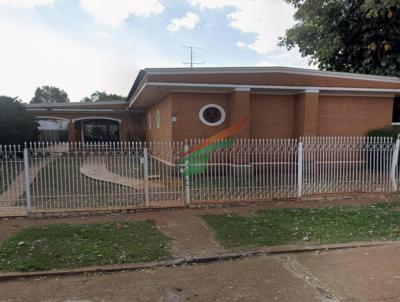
[183, 103]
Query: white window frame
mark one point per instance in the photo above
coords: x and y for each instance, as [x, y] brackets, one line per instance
[158, 119]
[149, 121]
[204, 108]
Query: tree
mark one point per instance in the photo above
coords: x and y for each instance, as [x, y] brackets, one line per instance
[49, 95]
[348, 35]
[102, 96]
[17, 124]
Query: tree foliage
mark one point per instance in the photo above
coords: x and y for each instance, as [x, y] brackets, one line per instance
[49, 95]
[17, 124]
[390, 131]
[348, 35]
[102, 96]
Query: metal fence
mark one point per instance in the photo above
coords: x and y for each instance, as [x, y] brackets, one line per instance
[63, 176]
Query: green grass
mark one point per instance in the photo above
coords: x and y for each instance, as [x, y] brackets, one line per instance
[66, 178]
[76, 189]
[129, 167]
[338, 224]
[68, 246]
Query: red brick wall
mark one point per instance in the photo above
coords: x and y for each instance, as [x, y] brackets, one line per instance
[306, 114]
[239, 107]
[272, 116]
[186, 107]
[352, 115]
[164, 133]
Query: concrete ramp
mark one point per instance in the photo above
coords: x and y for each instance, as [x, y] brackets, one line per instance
[98, 170]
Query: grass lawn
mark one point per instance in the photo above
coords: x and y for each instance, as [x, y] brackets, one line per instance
[67, 246]
[318, 225]
[71, 189]
[67, 179]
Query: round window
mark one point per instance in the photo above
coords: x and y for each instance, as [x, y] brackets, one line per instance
[212, 115]
[158, 119]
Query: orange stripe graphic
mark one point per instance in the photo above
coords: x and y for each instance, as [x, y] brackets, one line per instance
[219, 136]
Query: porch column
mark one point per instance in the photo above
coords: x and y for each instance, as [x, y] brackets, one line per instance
[239, 107]
[71, 131]
[306, 113]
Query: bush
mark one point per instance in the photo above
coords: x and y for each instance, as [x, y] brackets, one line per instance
[17, 124]
[392, 131]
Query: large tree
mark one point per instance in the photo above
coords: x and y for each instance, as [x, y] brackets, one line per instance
[17, 124]
[49, 95]
[348, 35]
[102, 96]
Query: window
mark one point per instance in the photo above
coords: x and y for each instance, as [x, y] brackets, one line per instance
[212, 115]
[149, 121]
[53, 130]
[396, 110]
[158, 119]
[100, 131]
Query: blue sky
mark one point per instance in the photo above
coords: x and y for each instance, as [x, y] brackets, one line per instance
[87, 45]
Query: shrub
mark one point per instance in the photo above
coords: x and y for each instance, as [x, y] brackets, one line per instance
[392, 131]
[17, 124]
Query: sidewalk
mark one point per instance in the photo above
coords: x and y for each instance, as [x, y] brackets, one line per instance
[361, 274]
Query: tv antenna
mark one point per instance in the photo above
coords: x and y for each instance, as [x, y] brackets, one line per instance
[192, 62]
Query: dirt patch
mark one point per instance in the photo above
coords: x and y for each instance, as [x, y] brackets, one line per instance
[191, 236]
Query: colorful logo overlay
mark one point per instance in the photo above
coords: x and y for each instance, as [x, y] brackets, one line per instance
[196, 158]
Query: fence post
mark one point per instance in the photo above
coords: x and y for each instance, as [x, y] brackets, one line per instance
[146, 177]
[27, 181]
[300, 170]
[187, 179]
[393, 167]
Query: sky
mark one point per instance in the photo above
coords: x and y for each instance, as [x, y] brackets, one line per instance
[82, 46]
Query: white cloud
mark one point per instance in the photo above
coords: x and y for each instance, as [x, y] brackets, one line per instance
[241, 44]
[211, 4]
[267, 19]
[25, 3]
[114, 12]
[286, 58]
[264, 64]
[187, 22]
[32, 55]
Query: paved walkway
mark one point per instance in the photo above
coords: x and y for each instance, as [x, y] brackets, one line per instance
[98, 170]
[362, 274]
[12, 201]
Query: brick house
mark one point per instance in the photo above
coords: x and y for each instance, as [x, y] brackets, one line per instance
[179, 103]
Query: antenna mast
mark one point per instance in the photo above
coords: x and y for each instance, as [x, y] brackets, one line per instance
[192, 62]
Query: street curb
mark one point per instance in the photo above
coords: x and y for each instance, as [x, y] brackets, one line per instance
[190, 260]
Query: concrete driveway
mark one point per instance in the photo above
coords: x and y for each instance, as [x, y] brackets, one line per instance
[360, 274]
